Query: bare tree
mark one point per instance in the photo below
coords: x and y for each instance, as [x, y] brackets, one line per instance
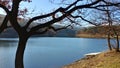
[69, 12]
[112, 31]
[110, 20]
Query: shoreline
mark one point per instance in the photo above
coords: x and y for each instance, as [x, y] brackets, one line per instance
[102, 60]
[81, 60]
[92, 36]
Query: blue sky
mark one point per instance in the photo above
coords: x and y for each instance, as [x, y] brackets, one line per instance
[40, 6]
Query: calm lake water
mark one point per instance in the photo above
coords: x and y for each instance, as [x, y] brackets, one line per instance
[50, 52]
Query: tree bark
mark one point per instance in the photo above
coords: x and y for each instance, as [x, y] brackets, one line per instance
[20, 52]
[117, 40]
[109, 45]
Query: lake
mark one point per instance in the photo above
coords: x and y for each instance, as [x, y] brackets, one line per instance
[47, 52]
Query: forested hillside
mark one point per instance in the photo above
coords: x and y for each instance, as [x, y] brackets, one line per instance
[96, 31]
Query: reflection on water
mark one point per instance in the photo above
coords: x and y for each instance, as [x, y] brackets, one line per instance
[50, 52]
[7, 44]
[7, 54]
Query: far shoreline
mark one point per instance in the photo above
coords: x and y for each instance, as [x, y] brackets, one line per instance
[98, 36]
[90, 36]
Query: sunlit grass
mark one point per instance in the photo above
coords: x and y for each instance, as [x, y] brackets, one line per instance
[103, 60]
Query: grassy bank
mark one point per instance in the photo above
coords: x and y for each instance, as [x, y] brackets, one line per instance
[103, 60]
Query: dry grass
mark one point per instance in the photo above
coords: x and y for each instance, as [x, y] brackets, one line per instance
[103, 60]
[91, 36]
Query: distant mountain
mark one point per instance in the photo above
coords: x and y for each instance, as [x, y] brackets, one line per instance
[61, 33]
[98, 31]
[11, 33]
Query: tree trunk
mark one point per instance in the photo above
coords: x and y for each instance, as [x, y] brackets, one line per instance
[20, 52]
[117, 40]
[109, 45]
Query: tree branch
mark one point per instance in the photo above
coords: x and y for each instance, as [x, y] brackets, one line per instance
[50, 14]
[5, 9]
[73, 21]
[61, 17]
[57, 29]
[111, 4]
[43, 16]
[42, 32]
[14, 14]
[74, 3]
[98, 8]
[50, 27]
[61, 10]
[4, 24]
[85, 20]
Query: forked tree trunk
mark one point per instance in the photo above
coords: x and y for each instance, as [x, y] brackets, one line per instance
[20, 52]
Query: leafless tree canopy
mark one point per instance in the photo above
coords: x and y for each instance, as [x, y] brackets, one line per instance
[74, 11]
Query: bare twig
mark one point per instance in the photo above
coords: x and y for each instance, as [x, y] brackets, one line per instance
[85, 20]
[57, 29]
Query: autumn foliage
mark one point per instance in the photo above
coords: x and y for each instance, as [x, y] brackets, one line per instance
[8, 4]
